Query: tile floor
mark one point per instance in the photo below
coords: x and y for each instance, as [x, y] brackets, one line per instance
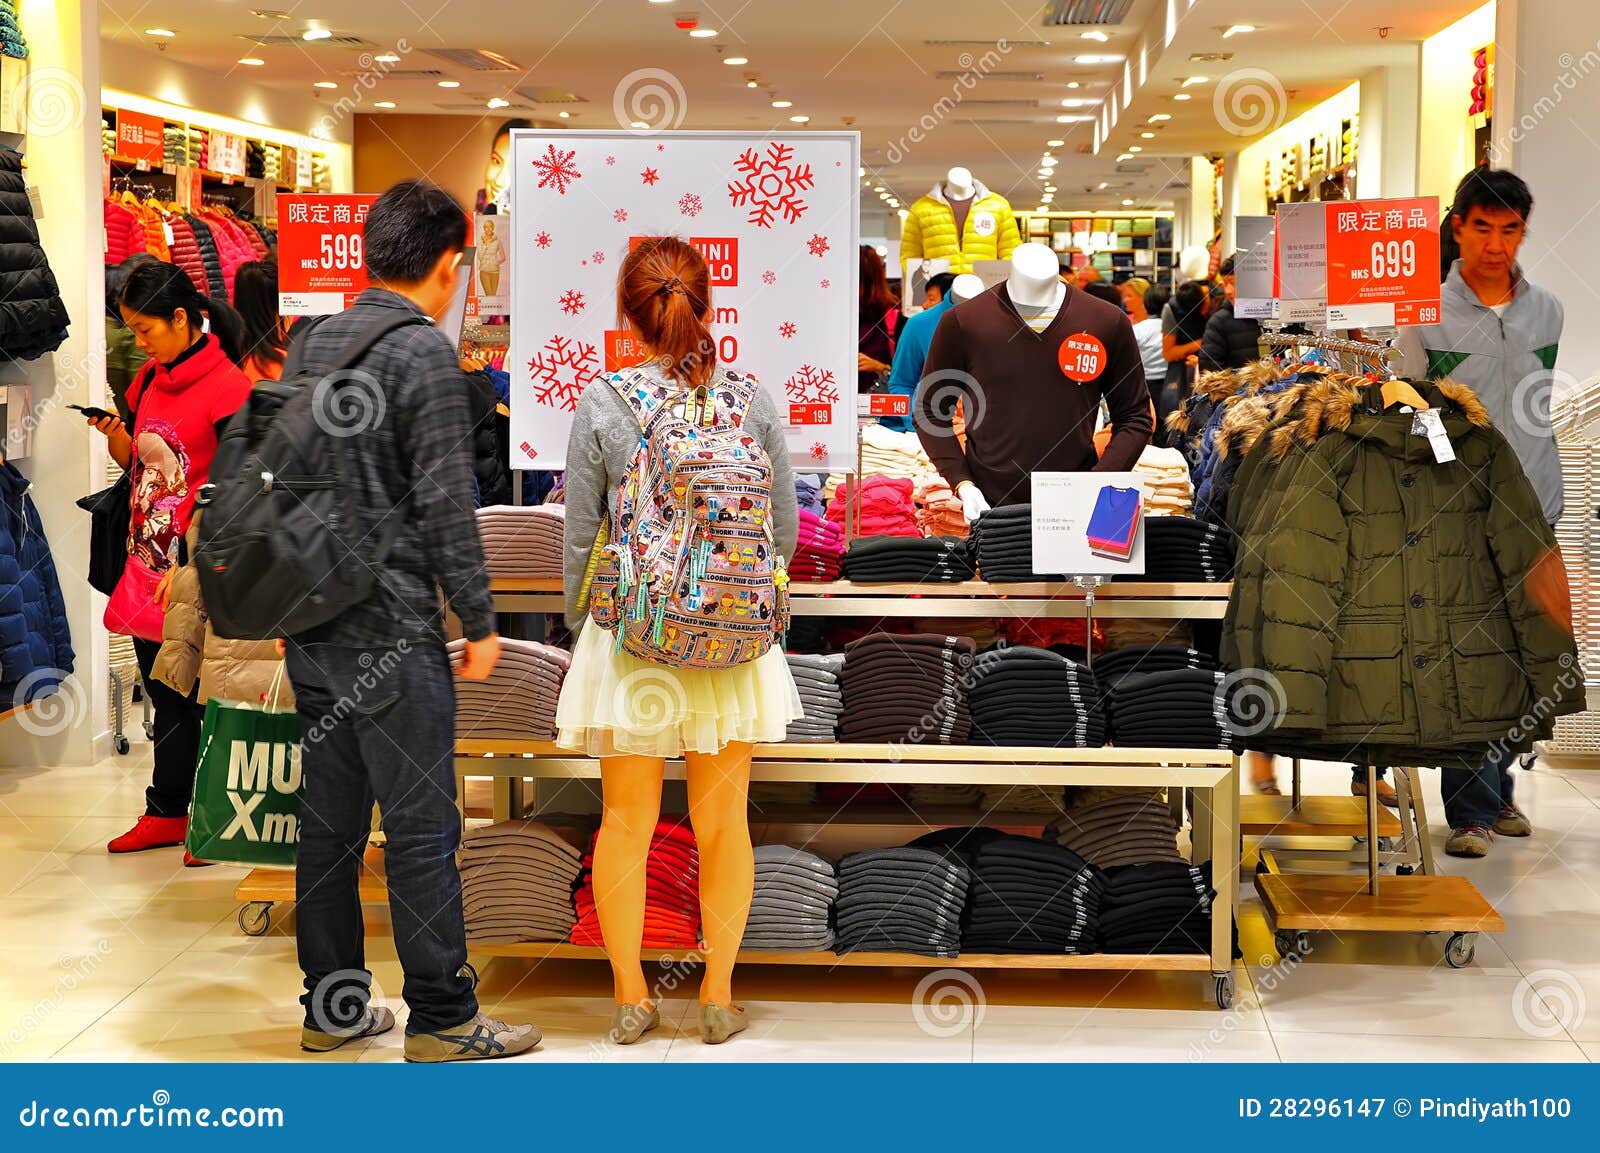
[138, 959]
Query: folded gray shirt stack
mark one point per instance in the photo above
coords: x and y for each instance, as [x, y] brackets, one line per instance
[794, 896]
[523, 541]
[517, 879]
[517, 701]
[817, 678]
[906, 900]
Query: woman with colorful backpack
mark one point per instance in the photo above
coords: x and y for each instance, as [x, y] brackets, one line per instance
[680, 511]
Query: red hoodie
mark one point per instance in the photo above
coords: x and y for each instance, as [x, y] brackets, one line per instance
[174, 438]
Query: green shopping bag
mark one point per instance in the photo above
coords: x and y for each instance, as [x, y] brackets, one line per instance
[247, 787]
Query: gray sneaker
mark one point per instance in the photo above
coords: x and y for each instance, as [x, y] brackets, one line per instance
[1513, 822]
[480, 1039]
[377, 1020]
[1470, 841]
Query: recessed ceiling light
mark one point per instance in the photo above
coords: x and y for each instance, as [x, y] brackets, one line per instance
[1104, 184]
[702, 33]
[639, 124]
[661, 1]
[1237, 30]
[1073, 119]
[1124, 156]
[1076, 102]
[384, 104]
[449, 84]
[564, 114]
[1048, 162]
[736, 60]
[799, 119]
[1127, 203]
[1055, 143]
[893, 203]
[1102, 59]
[1196, 80]
[160, 33]
[1073, 84]
[497, 102]
[751, 84]
[251, 61]
[315, 34]
[1183, 96]
[324, 84]
[1147, 136]
[879, 188]
[1135, 148]
[388, 58]
[783, 103]
[1160, 116]
[1095, 35]
[269, 14]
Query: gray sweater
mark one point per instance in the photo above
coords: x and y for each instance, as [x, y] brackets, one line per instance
[604, 441]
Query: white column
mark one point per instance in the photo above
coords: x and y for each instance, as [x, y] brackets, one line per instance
[1230, 203]
[1387, 141]
[62, 151]
[1546, 112]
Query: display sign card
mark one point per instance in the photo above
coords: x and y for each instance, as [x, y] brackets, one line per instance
[1063, 504]
[139, 138]
[1300, 281]
[227, 152]
[1252, 268]
[914, 284]
[777, 218]
[491, 279]
[321, 265]
[883, 404]
[1383, 262]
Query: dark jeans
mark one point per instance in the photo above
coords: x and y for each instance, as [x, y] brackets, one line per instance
[379, 724]
[177, 739]
[1474, 796]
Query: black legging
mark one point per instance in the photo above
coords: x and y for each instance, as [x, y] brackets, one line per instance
[177, 739]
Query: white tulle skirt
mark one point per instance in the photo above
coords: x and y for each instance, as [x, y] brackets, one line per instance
[613, 703]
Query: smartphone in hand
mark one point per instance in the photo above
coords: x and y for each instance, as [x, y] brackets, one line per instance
[92, 412]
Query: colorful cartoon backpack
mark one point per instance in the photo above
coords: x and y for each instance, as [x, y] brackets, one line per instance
[689, 577]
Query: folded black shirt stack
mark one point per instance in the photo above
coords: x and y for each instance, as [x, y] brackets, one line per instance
[1030, 696]
[1180, 708]
[905, 900]
[885, 559]
[907, 687]
[794, 895]
[1158, 908]
[1112, 666]
[1004, 540]
[1180, 548]
[817, 678]
[1030, 896]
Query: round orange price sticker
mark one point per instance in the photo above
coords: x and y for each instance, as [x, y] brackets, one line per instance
[1082, 356]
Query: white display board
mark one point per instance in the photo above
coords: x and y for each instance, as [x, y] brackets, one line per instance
[778, 217]
[1062, 505]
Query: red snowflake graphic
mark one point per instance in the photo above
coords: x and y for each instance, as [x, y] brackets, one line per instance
[561, 370]
[598, 257]
[811, 385]
[769, 277]
[649, 176]
[690, 205]
[661, 147]
[771, 185]
[572, 302]
[826, 282]
[817, 245]
[787, 330]
[620, 215]
[819, 451]
[542, 240]
[610, 161]
[557, 169]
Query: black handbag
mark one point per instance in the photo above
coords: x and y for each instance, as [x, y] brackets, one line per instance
[110, 512]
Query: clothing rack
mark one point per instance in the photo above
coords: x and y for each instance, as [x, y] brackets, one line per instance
[1376, 356]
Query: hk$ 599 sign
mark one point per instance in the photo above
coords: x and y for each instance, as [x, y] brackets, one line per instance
[776, 218]
[1383, 262]
[321, 255]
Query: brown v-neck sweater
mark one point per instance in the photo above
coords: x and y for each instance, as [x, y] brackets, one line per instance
[1023, 414]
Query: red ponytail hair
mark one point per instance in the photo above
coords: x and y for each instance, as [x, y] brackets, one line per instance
[664, 291]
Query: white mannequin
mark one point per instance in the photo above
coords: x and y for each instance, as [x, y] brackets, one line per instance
[958, 184]
[965, 287]
[1034, 282]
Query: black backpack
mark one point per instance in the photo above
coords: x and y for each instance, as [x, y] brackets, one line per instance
[281, 549]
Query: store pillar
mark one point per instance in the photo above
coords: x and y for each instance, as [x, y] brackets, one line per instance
[1386, 149]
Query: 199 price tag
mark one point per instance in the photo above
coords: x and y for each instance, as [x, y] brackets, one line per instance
[1082, 356]
[1383, 262]
[810, 414]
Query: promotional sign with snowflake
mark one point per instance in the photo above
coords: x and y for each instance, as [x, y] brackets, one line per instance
[776, 217]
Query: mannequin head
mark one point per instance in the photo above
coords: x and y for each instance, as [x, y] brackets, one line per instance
[965, 287]
[1034, 281]
[958, 182]
[1194, 263]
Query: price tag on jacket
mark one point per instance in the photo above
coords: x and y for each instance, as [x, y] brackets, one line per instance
[1430, 424]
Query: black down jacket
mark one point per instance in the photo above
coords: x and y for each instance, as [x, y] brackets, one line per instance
[33, 321]
[209, 257]
[1397, 609]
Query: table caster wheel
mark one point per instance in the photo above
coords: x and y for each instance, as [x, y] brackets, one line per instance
[1225, 991]
[120, 744]
[1460, 949]
[1291, 943]
[149, 730]
[256, 918]
[1403, 870]
[469, 970]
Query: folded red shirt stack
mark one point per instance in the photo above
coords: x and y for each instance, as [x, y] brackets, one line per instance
[672, 892]
[817, 553]
[887, 508]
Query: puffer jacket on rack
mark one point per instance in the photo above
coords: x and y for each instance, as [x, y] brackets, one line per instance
[217, 287]
[124, 233]
[186, 252]
[232, 248]
[33, 321]
[1406, 611]
[155, 233]
[1189, 424]
[1227, 429]
[35, 642]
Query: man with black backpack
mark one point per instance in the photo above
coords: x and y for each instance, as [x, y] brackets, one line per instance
[373, 683]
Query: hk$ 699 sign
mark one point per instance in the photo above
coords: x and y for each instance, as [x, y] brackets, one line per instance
[1383, 262]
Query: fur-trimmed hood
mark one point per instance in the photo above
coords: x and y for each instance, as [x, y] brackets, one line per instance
[1334, 404]
[1221, 386]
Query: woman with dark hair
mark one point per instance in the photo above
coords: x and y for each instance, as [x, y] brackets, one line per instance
[124, 357]
[877, 318]
[266, 335]
[179, 402]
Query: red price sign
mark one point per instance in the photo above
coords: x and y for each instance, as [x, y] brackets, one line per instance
[885, 404]
[623, 349]
[1082, 356]
[1383, 262]
[139, 138]
[811, 414]
[321, 257]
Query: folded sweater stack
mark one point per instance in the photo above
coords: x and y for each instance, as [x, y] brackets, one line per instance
[897, 559]
[794, 895]
[516, 701]
[904, 900]
[818, 550]
[808, 493]
[517, 879]
[1168, 489]
[886, 507]
[1004, 539]
[1181, 708]
[939, 510]
[523, 541]
[907, 687]
[1029, 696]
[1157, 908]
[672, 892]
[817, 678]
[1124, 827]
[1030, 896]
[891, 453]
[1180, 548]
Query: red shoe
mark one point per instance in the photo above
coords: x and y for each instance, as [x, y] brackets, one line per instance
[190, 862]
[150, 833]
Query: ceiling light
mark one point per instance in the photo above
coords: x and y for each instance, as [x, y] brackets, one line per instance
[1160, 116]
[783, 103]
[799, 119]
[251, 61]
[1127, 204]
[1096, 35]
[1055, 143]
[269, 14]
[449, 84]
[1183, 96]
[1048, 162]
[1103, 59]
[160, 33]
[1124, 156]
[384, 104]
[702, 33]
[1135, 148]
[639, 124]
[1147, 136]
[1104, 184]
[751, 84]
[862, 170]
[1237, 29]
[315, 34]
[564, 114]
[496, 102]
[879, 188]
[661, 1]
[324, 84]
[1076, 102]
[388, 58]
[1073, 84]
[1196, 80]
[893, 203]
[736, 60]
[1073, 119]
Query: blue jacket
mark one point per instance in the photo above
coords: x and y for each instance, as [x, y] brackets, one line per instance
[35, 643]
[916, 334]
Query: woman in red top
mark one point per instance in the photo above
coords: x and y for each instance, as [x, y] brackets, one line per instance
[180, 400]
[266, 335]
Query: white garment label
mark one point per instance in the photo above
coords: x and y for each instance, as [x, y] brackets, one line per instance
[166, 230]
[983, 223]
[36, 202]
[1430, 424]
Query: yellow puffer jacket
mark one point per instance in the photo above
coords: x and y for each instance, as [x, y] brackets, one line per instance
[930, 231]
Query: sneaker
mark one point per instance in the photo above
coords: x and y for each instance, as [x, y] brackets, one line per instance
[377, 1020]
[1469, 841]
[1267, 787]
[150, 833]
[480, 1039]
[1513, 822]
[192, 862]
[1386, 793]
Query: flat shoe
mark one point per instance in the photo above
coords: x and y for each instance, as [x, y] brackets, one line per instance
[719, 1022]
[630, 1022]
